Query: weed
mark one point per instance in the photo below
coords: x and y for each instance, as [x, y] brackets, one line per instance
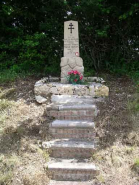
[138, 88]
[9, 129]
[97, 157]
[135, 77]
[10, 75]
[129, 150]
[89, 72]
[44, 153]
[136, 165]
[35, 179]
[4, 110]
[4, 103]
[100, 178]
[3, 117]
[21, 131]
[7, 165]
[7, 92]
[133, 105]
[6, 177]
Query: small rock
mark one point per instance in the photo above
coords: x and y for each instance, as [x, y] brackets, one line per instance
[40, 99]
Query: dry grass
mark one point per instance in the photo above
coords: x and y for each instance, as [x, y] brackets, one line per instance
[21, 123]
[7, 164]
[118, 129]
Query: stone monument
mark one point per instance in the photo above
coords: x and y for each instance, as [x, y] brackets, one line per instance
[71, 59]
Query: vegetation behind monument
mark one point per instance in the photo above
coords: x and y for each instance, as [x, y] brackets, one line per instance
[32, 35]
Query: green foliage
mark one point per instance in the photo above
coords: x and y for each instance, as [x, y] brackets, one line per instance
[32, 35]
[8, 76]
[135, 76]
[89, 72]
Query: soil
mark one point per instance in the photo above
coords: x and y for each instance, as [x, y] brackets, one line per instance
[25, 125]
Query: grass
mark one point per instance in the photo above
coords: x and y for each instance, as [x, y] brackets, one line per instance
[100, 178]
[44, 153]
[6, 177]
[10, 75]
[35, 179]
[19, 132]
[7, 165]
[4, 104]
[136, 163]
[6, 93]
[3, 117]
[135, 77]
[133, 105]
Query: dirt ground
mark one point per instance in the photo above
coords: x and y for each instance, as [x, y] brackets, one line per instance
[24, 125]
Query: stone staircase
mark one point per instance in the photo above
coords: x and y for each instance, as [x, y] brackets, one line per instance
[74, 139]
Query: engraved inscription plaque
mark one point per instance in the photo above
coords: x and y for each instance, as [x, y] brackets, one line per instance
[71, 39]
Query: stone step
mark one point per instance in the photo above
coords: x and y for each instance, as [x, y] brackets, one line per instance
[72, 129]
[69, 183]
[63, 99]
[69, 106]
[70, 148]
[72, 170]
[72, 112]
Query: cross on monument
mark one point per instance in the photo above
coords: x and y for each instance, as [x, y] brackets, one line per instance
[70, 28]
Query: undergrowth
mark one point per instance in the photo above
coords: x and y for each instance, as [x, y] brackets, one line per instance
[11, 75]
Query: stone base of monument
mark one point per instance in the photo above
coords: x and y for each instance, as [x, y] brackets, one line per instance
[43, 90]
[70, 63]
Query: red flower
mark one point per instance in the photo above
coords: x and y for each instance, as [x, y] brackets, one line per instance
[75, 72]
[81, 77]
[75, 80]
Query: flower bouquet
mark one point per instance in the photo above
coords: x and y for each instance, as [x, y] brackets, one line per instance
[74, 77]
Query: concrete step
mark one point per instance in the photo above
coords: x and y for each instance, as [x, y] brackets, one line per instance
[72, 112]
[63, 99]
[69, 183]
[72, 170]
[70, 148]
[72, 129]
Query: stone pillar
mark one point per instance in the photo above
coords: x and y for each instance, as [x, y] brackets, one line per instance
[68, 64]
[71, 59]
